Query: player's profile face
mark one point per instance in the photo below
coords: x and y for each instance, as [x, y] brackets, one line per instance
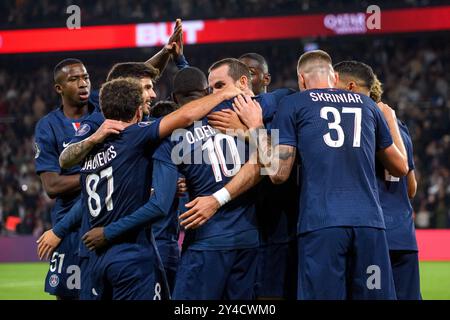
[219, 79]
[256, 72]
[75, 82]
[148, 94]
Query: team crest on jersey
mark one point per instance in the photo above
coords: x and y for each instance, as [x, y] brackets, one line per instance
[144, 123]
[85, 128]
[54, 280]
[76, 125]
[37, 150]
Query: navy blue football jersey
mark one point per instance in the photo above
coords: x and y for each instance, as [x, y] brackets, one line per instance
[116, 174]
[337, 134]
[397, 209]
[277, 205]
[209, 160]
[52, 134]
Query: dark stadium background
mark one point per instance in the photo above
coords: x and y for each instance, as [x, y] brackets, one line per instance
[413, 66]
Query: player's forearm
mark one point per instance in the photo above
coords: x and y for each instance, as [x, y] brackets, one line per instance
[392, 122]
[58, 185]
[159, 60]
[138, 219]
[244, 180]
[276, 161]
[190, 112]
[412, 184]
[75, 153]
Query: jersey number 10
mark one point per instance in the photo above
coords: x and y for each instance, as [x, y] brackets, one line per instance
[336, 126]
[217, 159]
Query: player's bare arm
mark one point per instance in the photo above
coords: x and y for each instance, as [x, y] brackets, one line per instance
[75, 153]
[58, 185]
[278, 160]
[203, 208]
[194, 110]
[412, 184]
[174, 47]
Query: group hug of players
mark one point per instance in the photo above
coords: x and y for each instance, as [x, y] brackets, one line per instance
[316, 206]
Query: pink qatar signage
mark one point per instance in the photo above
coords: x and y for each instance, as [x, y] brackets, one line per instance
[222, 30]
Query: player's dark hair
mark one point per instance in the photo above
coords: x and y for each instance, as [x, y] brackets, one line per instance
[63, 63]
[163, 108]
[362, 72]
[120, 98]
[257, 57]
[312, 56]
[189, 79]
[237, 69]
[132, 70]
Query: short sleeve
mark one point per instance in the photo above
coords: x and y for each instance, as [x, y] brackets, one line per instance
[383, 135]
[146, 133]
[46, 148]
[285, 122]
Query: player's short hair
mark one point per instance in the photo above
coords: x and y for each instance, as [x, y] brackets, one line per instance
[132, 70]
[257, 57]
[163, 108]
[313, 56]
[188, 80]
[363, 73]
[120, 98]
[63, 63]
[236, 70]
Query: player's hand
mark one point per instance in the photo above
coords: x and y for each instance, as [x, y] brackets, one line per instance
[47, 243]
[107, 128]
[201, 210]
[175, 43]
[230, 91]
[249, 111]
[181, 187]
[388, 112]
[95, 239]
[225, 120]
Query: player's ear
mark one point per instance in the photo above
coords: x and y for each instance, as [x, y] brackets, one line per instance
[267, 78]
[301, 82]
[336, 78]
[58, 88]
[243, 83]
[351, 86]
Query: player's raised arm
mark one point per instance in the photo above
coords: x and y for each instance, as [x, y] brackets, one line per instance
[174, 47]
[194, 110]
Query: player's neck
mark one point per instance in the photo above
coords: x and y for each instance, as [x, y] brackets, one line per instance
[74, 112]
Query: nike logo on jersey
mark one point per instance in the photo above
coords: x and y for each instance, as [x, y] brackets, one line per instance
[66, 144]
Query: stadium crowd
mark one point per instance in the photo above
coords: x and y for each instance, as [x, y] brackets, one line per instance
[416, 76]
[26, 13]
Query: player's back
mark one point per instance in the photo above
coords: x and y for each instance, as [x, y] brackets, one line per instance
[116, 174]
[209, 160]
[338, 134]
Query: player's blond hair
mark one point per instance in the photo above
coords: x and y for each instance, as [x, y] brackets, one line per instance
[376, 89]
[316, 56]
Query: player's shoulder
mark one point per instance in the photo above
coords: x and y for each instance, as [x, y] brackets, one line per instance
[95, 117]
[227, 104]
[49, 119]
